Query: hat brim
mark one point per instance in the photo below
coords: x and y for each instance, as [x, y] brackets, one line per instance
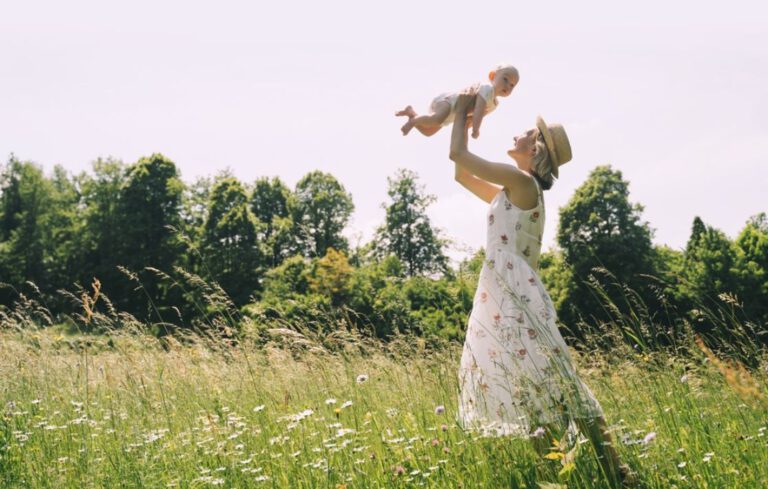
[550, 143]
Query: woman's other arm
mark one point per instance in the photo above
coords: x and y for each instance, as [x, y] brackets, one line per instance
[481, 188]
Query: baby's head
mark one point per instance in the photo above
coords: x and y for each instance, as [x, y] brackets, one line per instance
[504, 79]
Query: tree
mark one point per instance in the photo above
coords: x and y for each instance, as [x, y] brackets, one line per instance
[232, 256]
[752, 267]
[708, 264]
[599, 228]
[320, 211]
[66, 226]
[102, 227]
[148, 213]
[330, 276]
[270, 203]
[25, 203]
[407, 231]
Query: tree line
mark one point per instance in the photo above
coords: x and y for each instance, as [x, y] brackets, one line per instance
[160, 249]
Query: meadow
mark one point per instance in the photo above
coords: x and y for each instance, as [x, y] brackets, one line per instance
[340, 411]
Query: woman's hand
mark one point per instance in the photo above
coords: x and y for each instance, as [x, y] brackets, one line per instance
[465, 102]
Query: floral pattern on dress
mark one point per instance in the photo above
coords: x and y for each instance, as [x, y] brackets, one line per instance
[515, 370]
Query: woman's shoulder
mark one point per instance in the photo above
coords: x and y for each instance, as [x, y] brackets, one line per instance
[525, 195]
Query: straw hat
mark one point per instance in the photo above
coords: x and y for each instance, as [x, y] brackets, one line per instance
[557, 143]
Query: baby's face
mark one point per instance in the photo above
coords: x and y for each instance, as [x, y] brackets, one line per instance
[504, 81]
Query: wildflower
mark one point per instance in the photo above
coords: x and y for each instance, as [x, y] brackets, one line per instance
[444, 427]
[446, 450]
[681, 465]
[649, 437]
[346, 404]
[262, 478]
[707, 457]
[399, 470]
[330, 401]
[258, 408]
[435, 442]
[539, 432]
[440, 409]
[337, 411]
[362, 378]
[684, 379]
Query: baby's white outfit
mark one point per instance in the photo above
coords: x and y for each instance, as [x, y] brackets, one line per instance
[485, 91]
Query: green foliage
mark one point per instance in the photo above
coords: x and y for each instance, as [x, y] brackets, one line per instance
[557, 277]
[270, 202]
[708, 263]
[599, 228]
[330, 276]
[723, 278]
[26, 206]
[752, 267]
[285, 251]
[149, 217]
[320, 210]
[375, 298]
[103, 227]
[407, 232]
[231, 253]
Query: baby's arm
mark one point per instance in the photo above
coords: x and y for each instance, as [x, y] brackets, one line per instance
[477, 116]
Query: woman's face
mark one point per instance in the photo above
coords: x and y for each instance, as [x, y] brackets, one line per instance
[525, 147]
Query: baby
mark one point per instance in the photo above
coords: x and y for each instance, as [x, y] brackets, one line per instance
[503, 80]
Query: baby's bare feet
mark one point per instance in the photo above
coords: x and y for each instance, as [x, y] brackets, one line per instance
[408, 126]
[408, 111]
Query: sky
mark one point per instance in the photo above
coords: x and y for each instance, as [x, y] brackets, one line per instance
[672, 94]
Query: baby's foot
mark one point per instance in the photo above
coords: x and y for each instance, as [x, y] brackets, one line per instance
[408, 126]
[408, 111]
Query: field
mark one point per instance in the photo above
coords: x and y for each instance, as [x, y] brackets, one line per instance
[125, 410]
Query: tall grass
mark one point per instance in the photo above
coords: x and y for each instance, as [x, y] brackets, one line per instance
[305, 409]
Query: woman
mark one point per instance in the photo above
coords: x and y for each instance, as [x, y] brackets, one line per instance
[516, 376]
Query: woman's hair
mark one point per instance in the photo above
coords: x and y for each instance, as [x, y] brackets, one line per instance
[542, 166]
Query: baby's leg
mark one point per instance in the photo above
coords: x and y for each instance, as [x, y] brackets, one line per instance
[428, 131]
[407, 111]
[429, 124]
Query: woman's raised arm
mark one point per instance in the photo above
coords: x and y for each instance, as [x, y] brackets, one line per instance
[501, 174]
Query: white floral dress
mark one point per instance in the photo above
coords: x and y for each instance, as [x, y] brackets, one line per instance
[516, 372]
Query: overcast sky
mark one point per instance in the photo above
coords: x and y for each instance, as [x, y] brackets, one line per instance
[672, 93]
